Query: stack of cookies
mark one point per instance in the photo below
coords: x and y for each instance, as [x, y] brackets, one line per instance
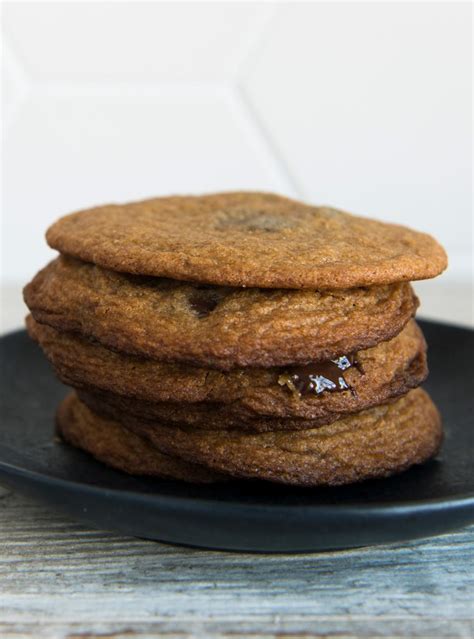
[238, 335]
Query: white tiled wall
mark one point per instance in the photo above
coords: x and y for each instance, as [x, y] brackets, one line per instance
[365, 106]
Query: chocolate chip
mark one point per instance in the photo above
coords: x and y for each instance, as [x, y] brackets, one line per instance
[255, 221]
[204, 300]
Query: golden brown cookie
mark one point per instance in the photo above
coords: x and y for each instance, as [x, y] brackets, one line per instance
[240, 398]
[219, 416]
[247, 239]
[377, 442]
[215, 327]
[200, 416]
[115, 446]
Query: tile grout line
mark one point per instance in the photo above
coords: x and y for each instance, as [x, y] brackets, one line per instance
[253, 122]
[248, 112]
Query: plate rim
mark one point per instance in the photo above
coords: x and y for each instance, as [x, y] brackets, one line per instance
[461, 501]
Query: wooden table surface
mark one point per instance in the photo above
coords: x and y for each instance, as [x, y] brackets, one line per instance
[59, 578]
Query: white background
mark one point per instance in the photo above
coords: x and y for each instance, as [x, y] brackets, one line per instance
[364, 106]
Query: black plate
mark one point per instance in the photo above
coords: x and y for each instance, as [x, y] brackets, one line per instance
[427, 500]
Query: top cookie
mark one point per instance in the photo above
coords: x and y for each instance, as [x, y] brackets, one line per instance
[247, 239]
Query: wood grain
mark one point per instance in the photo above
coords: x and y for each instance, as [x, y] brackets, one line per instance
[61, 579]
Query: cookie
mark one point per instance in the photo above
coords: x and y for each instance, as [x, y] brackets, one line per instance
[213, 326]
[200, 416]
[247, 239]
[210, 416]
[377, 442]
[239, 398]
[274, 408]
[119, 448]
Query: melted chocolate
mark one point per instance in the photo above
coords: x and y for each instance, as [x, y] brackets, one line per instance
[317, 377]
